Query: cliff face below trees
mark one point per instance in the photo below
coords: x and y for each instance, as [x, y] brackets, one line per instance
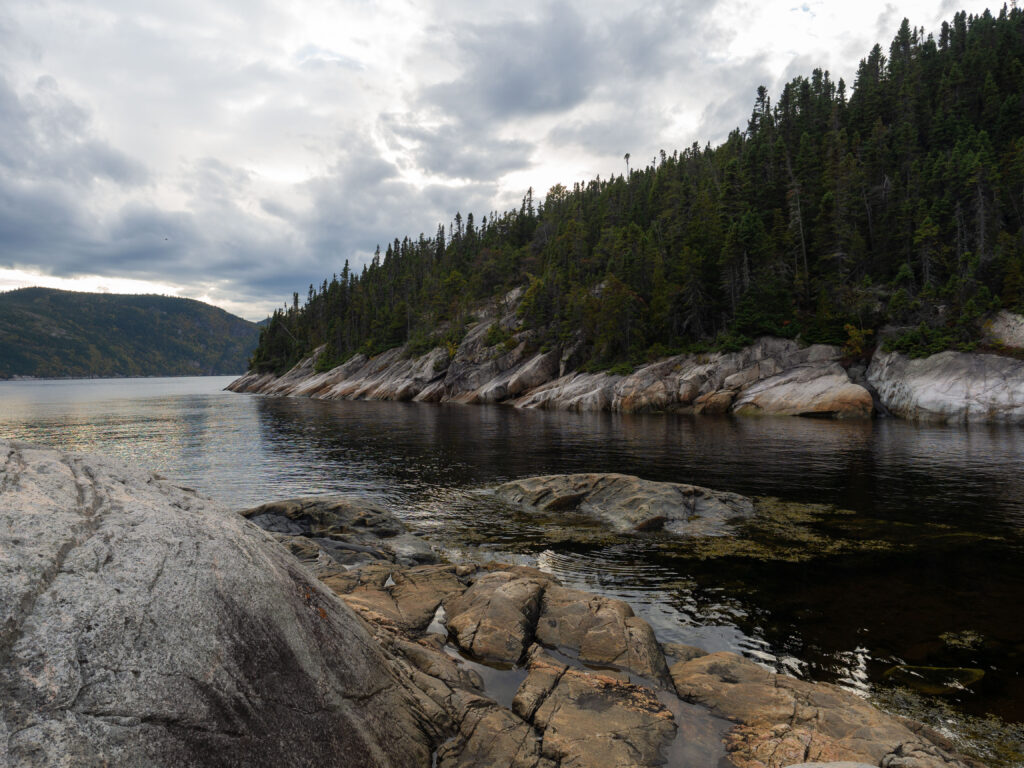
[770, 377]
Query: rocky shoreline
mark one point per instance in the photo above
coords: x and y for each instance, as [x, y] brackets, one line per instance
[771, 377]
[145, 625]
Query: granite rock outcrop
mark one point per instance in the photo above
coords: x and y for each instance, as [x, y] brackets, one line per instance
[789, 379]
[141, 624]
[950, 387]
[629, 503]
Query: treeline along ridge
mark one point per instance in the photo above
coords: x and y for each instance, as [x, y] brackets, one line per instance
[833, 213]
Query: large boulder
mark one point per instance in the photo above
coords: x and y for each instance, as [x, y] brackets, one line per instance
[808, 390]
[954, 387]
[141, 624]
[495, 619]
[599, 631]
[504, 611]
[629, 503]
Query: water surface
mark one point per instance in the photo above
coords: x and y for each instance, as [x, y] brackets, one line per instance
[947, 501]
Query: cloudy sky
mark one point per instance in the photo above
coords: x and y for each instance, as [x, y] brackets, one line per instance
[236, 151]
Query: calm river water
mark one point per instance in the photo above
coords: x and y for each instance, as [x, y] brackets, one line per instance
[946, 590]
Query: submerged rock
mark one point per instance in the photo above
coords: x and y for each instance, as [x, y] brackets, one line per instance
[935, 681]
[348, 530]
[141, 624]
[628, 503]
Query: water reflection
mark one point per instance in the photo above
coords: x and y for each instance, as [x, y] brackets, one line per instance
[949, 500]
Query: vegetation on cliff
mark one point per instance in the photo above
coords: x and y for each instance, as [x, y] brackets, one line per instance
[51, 333]
[836, 210]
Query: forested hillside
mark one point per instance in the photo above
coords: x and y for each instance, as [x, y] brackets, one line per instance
[837, 209]
[50, 333]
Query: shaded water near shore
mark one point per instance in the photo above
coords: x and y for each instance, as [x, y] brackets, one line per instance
[929, 573]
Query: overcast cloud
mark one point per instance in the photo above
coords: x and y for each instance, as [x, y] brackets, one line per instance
[238, 151]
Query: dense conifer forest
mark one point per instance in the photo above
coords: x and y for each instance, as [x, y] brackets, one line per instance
[896, 201]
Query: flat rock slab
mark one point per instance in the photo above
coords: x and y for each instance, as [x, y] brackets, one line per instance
[404, 599]
[141, 624]
[629, 503]
[782, 721]
[593, 721]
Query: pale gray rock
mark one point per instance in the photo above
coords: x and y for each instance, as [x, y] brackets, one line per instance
[142, 625]
[628, 503]
[953, 387]
[1006, 328]
[786, 379]
[580, 392]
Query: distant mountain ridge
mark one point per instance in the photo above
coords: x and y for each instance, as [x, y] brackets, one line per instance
[48, 333]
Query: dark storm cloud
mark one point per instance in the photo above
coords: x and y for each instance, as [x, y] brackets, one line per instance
[49, 165]
[36, 219]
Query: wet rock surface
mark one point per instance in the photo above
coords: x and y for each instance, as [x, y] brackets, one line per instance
[347, 531]
[529, 673]
[628, 503]
[782, 721]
